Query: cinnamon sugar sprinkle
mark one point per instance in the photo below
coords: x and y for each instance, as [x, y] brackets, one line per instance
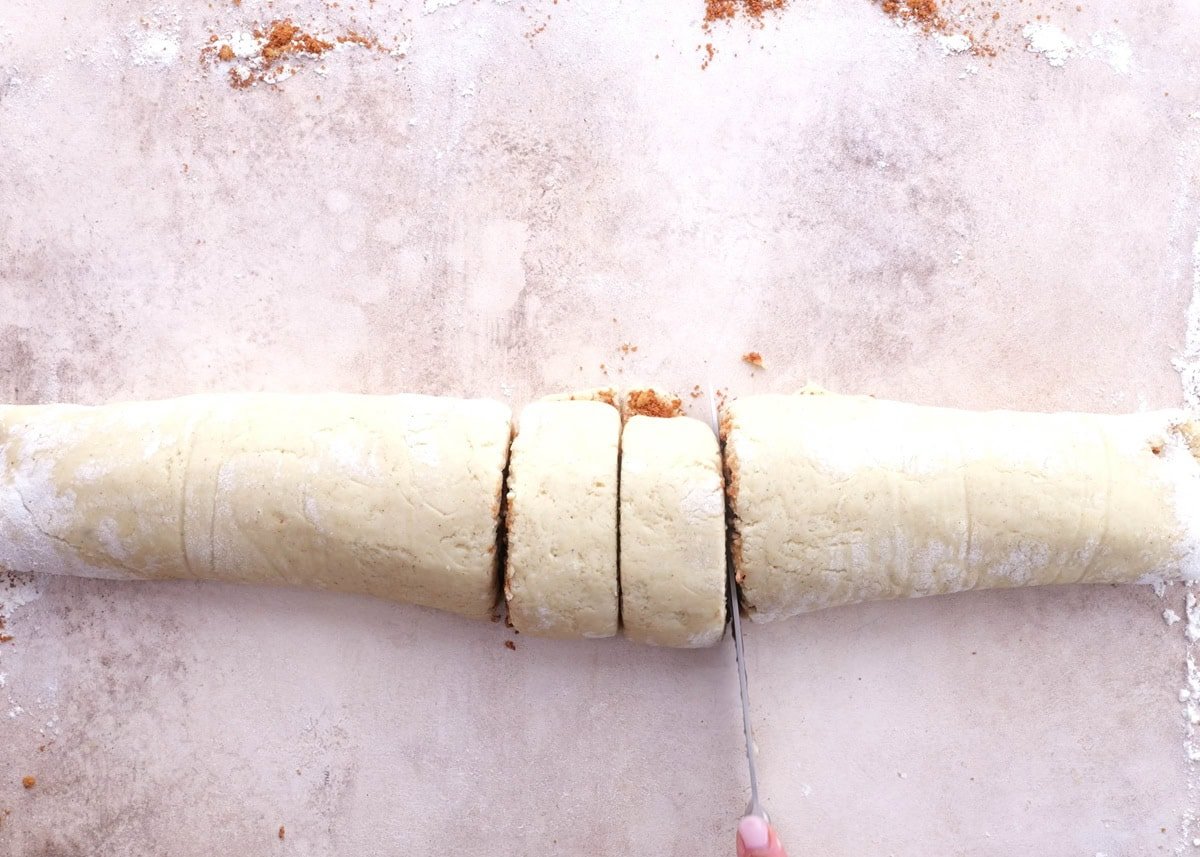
[722, 10]
[273, 52]
[651, 403]
[981, 27]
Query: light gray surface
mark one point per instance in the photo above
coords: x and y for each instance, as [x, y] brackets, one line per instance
[496, 213]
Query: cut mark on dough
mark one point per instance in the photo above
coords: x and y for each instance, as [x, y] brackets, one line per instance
[620, 600]
[732, 538]
[503, 515]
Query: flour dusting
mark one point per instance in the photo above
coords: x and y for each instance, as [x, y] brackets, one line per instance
[1113, 47]
[1189, 698]
[155, 39]
[956, 44]
[156, 49]
[16, 591]
[1049, 41]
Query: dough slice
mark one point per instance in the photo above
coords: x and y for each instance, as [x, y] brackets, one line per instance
[562, 520]
[838, 499]
[392, 496]
[672, 527]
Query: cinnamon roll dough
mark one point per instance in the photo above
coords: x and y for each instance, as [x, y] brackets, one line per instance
[672, 531]
[837, 499]
[561, 578]
[392, 496]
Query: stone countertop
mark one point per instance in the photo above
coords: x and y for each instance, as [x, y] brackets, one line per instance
[492, 199]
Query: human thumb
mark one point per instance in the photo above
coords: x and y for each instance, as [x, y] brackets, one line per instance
[756, 838]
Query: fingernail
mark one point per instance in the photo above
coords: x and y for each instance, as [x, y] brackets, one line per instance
[754, 833]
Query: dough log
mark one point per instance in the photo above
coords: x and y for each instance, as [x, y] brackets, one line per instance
[838, 499]
[392, 496]
[672, 526]
[561, 579]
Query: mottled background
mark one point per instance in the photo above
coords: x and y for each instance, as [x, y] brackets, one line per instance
[494, 203]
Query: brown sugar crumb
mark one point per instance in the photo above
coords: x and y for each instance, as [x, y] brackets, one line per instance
[281, 44]
[1190, 432]
[282, 832]
[510, 645]
[753, 358]
[353, 37]
[650, 403]
[723, 10]
[924, 13]
[628, 348]
[696, 392]
[284, 37]
[5, 638]
[28, 781]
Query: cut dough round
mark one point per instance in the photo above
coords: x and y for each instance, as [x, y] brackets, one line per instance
[562, 520]
[392, 496]
[672, 532]
[839, 499]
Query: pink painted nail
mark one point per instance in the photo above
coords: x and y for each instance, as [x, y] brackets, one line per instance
[754, 833]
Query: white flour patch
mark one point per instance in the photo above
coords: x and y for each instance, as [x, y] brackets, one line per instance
[1110, 46]
[1170, 617]
[17, 590]
[154, 39]
[1049, 41]
[1113, 47]
[434, 5]
[245, 45]
[1189, 697]
[956, 44]
[155, 49]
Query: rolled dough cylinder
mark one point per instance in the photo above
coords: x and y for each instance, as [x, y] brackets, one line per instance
[392, 496]
[839, 499]
[562, 520]
[672, 532]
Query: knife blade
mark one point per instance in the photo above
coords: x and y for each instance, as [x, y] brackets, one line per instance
[754, 807]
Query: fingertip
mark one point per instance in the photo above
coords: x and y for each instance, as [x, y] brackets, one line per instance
[756, 838]
[753, 834]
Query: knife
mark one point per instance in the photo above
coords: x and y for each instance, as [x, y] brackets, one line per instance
[754, 807]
